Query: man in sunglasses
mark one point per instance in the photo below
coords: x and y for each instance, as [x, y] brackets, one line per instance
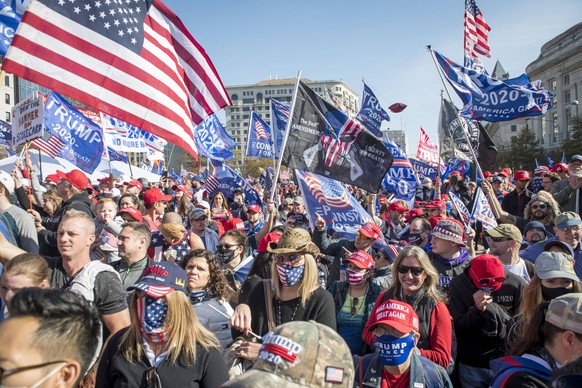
[568, 229]
[483, 300]
[343, 247]
[505, 241]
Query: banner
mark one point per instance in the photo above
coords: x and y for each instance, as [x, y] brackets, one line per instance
[427, 150]
[279, 118]
[116, 135]
[400, 179]
[461, 208]
[212, 140]
[5, 134]
[462, 166]
[326, 141]
[82, 138]
[424, 170]
[12, 11]
[27, 120]
[371, 113]
[259, 141]
[226, 181]
[328, 198]
[486, 98]
[482, 211]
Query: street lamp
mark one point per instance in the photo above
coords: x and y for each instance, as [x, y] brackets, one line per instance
[575, 103]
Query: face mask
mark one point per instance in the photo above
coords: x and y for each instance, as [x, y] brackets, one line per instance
[355, 277]
[552, 293]
[225, 255]
[393, 350]
[290, 275]
[39, 382]
[153, 313]
[414, 239]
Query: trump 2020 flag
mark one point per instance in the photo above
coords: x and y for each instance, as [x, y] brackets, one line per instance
[279, 118]
[10, 14]
[461, 208]
[486, 98]
[226, 181]
[371, 113]
[400, 179]
[133, 59]
[482, 211]
[427, 150]
[324, 140]
[328, 198]
[259, 143]
[117, 137]
[5, 134]
[82, 139]
[424, 170]
[213, 141]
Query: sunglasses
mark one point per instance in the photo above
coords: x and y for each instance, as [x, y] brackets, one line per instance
[499, 239]
[541, 206]
[291, 259]
[226, 246]
[488, 281]
[404, 269]
[363, 237]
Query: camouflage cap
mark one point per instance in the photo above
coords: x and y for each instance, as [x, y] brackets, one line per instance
[300, 354]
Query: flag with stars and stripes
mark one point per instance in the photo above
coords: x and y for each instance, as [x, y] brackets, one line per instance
[476, 36]
[49, 143]
[259, 143]
[226, 181]
[132, 59]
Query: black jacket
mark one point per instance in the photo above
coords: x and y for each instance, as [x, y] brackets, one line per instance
[481, 334]
[509, 203]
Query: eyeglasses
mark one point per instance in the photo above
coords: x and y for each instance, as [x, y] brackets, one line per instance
[488, 281]
[498, 239]
[363, 237]
[10, 372]
[227, 246]
[152, 378]
[291, 259]
[570, 229]
[199, 219]
[540, 206]
[404, 269]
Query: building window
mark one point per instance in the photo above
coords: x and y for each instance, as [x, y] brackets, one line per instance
[245, 131]
[6, 98]
[246, 108]
[6, 80]
[514, 128]
[245, 117]
[567, 97]
[267, 115]
[234, 97]
[8, 117]
[566, 79]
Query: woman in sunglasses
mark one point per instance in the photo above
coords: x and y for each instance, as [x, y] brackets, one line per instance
[231, 254]
[165, 345]
[354, 298]
[292, 294]
[415, 282]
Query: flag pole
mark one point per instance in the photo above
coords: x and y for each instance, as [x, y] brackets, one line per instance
[248, 139]
[273, 141]
[287, 129]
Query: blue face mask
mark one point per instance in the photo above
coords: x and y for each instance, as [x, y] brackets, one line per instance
[290, 275]
[393, 350]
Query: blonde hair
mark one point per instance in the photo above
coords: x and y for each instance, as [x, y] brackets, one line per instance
[32, 266]
[309, 282]
[185, 332]
[432, 276]
[52, 195]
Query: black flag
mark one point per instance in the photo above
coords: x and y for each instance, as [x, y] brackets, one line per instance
[453, 139]
[324, 140]
[487, 151]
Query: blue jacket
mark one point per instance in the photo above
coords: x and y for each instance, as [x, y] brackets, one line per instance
[514, 371]
[532, 252]
[422, 371]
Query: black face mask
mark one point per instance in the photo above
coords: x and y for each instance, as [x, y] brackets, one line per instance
[415, 239]
[552, 293]
[225, 255]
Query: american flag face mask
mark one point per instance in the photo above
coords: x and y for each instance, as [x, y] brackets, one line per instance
[153, 313]
[290, 275]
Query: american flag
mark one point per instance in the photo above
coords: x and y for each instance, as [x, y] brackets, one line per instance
[476, 31]
[332, 194]
[261, 133]
[211, 184]
[132, 59]
[50, 144]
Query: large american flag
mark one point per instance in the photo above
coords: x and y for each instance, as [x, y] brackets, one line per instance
[51, 144]
[131, 59]
[476, 30]
[261, 133]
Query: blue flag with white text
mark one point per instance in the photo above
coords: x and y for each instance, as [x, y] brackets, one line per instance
[400, 178]
[212, 140]
[486, 98]
[330, 199]
[5, 134]
[550, 160]
[424, 170]
[82, 138]
[482, 211]
[226, 181]
[371, 113]
[279, 117]
[259, 142]
[117, 156]
[10, 14]
[454, 164]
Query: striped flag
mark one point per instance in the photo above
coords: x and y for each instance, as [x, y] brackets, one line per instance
[476, 31]
[134, 60]
[427, 150]
[50, 144]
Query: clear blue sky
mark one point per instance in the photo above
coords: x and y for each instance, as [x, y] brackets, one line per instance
[379, 40]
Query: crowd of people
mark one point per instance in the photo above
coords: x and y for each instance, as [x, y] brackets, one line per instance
[166, 284]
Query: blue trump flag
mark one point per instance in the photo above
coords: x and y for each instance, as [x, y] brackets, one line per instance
[5, 134]
[82, 138]
[550, 160]
[400, 178]
[226, 181]
[486, 98]
[212, 140]
[10, 15]
[328, 198]
[371, 113]
[279, 117]
[117, 156]
[454, 164]
[424, 170]
[259, 143]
